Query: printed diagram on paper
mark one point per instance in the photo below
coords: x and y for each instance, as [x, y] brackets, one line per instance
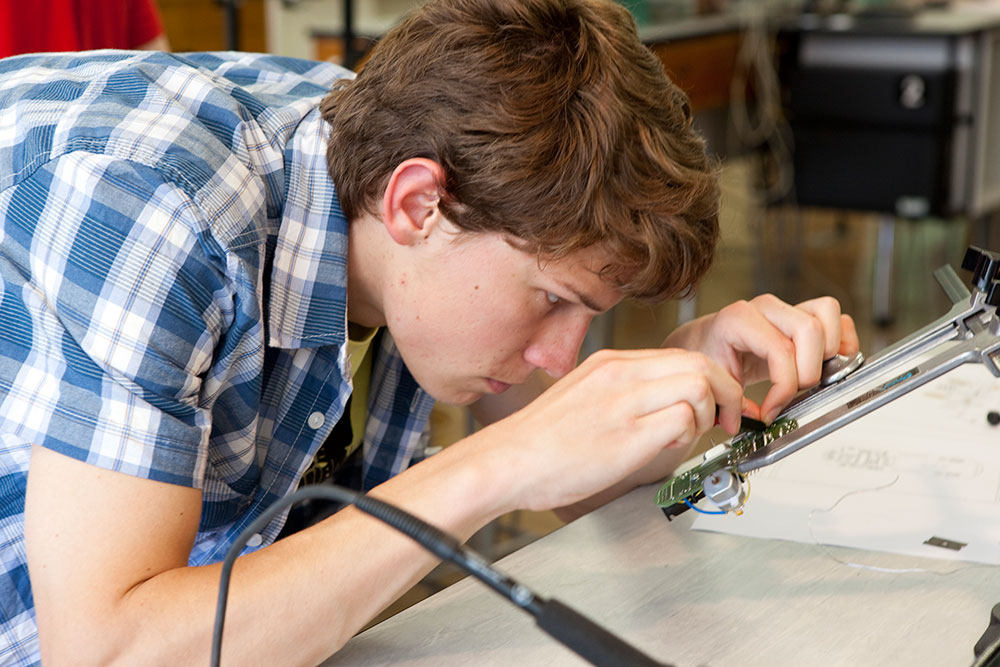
[926, 465]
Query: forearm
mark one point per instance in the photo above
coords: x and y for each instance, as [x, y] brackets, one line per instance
[294, 602]
[108, 561]
[664, 464]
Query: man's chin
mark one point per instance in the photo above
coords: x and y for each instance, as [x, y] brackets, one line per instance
[469, 399]
[454, 397]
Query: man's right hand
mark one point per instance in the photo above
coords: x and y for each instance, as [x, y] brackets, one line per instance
[608, 419]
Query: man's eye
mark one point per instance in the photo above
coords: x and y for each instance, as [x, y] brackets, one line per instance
[552, 298]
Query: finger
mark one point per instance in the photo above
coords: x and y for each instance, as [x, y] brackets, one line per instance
[673, 426]
[704, 387]
[694, 389]
[850, 344]
[839, 335]
[755, 334]
[618, 369]
[807, 334]
[649, 381]
[622, 365]
[748, 409]
[827, 310]
[751, 409]
[613, 369]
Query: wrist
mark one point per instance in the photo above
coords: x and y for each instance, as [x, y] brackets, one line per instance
[491, 469]
[687, 335]
[460, 489]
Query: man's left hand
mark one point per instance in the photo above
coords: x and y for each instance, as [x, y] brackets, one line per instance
[766, 338]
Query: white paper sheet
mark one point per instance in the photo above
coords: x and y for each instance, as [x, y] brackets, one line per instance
[925, 465]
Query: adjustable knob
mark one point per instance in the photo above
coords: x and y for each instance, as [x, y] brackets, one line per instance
[838, 367]
[984, 265]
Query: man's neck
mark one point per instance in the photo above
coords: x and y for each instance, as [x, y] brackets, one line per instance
[367, 261]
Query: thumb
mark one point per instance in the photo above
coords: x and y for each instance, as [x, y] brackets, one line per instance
[750, 409]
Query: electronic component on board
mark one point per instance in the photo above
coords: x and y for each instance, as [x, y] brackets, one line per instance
[722, 457]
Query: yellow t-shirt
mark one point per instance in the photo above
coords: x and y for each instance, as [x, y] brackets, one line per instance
[360, 360]
[359, 354]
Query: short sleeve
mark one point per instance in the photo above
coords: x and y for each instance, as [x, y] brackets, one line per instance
[111, 304]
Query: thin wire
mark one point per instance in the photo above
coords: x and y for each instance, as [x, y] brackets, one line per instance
[873, 568]
[755, 60]
[687, 501]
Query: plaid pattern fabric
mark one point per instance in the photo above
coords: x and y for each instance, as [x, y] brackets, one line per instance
[173, 267]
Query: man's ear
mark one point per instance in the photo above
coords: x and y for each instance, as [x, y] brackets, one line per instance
[410, 203]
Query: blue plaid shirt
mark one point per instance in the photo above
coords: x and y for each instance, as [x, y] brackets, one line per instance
[173, 269]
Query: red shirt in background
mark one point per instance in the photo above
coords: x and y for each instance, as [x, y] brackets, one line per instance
[33, 26]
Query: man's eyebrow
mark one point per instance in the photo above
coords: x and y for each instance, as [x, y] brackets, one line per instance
[584, 299]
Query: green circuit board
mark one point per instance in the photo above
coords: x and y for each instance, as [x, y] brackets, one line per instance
[688, 483]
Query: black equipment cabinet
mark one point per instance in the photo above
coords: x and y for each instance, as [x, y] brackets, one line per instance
[894, 115]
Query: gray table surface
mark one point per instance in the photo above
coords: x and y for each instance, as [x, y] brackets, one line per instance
[695, 598]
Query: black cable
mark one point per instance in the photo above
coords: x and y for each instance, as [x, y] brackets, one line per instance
[575, 631]
[989, 656]
[326, 492]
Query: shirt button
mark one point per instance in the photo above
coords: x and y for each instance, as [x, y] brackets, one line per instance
[255, 540]
[316, 420]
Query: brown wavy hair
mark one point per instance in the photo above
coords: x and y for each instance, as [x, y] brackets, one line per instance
[554, 126]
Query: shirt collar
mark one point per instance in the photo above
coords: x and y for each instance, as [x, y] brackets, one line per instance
[308, 302]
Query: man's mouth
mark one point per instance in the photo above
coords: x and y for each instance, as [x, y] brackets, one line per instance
[496, 386]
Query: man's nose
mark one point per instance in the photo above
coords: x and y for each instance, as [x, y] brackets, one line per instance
[556, 346]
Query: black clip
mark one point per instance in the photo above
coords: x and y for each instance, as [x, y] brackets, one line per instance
[681, 507]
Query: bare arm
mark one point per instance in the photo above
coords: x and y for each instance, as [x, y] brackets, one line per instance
[107, 553]
[108, 565]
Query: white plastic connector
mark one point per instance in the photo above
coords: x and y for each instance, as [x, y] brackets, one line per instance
[716, 451]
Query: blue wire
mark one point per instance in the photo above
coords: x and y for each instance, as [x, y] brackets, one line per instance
[687, 501]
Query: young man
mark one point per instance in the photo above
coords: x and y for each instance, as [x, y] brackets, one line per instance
[203, 258]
